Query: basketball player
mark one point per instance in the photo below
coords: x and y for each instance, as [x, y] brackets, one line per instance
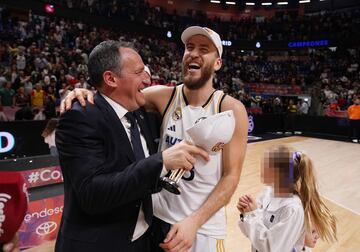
[195, 219]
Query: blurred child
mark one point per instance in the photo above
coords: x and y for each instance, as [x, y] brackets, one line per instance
[278, 220]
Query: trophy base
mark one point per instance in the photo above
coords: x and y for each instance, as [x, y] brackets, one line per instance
[170, 185]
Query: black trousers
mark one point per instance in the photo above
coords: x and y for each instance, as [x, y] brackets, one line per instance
[290, 122]
[158, 231]
[355, 129]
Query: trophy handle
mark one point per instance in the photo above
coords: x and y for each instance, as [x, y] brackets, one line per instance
[171, 183]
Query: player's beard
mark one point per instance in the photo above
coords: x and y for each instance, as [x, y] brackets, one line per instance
[194, 83]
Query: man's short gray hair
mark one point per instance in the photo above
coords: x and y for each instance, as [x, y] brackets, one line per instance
[104, 57]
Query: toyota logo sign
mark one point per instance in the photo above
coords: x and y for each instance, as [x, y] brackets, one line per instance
[46, 228]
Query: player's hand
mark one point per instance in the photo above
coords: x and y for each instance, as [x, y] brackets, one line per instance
[12, 246]
[77, 93]
[181, 236]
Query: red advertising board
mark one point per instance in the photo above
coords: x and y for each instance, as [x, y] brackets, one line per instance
[43, 176]
[41, 222]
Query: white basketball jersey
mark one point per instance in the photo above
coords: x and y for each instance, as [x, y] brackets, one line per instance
[196, 185]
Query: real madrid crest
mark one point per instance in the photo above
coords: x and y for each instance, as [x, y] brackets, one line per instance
[217, 147]
[177, 114]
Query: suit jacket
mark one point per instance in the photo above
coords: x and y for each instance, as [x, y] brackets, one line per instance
[104, 186]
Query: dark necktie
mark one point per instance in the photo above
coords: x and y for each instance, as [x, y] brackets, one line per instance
[139, 155]
[135, 137]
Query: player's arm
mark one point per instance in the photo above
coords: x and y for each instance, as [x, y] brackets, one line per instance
[233, 158]
[157, 97]
[183, 233]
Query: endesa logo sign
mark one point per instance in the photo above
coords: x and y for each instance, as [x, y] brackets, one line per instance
[46, 212]
[41, 222]
[43, 176]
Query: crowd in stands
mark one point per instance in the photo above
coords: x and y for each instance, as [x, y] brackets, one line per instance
[329, 25]
[43, 59]
[330, 78]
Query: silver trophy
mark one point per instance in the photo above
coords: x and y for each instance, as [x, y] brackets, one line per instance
[211, 134]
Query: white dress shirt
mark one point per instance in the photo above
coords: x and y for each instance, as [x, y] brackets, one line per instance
[277, 225]
[141, 224]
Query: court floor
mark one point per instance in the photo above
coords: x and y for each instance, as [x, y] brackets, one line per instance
[337, 166]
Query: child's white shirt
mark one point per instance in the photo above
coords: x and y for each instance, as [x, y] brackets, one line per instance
[277, 225]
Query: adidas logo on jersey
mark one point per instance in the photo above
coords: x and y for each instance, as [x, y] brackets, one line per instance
[172, 128]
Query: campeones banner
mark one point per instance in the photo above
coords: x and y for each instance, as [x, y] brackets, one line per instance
[42, 222]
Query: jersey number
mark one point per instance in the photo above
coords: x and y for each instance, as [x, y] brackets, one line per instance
[190, 177]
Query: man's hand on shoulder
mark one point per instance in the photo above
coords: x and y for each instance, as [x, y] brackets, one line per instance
[78, 93]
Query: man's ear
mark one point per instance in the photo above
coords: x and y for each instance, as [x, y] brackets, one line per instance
[217, 64]
[109, 79]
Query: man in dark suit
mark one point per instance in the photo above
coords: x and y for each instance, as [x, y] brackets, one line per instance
[109, 160]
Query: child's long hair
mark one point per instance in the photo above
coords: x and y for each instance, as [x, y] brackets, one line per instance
[299, 169]
[315, 210]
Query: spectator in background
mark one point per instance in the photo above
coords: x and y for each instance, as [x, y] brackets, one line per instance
[278, 109]
[51, 92]
[38, 114]
[65, 89]
[317, 99]
[291, 116]
[341, 102]
[20, 60]
[82, 83]
[3, 117]
[20, 80]
[21, 99]
[6, 94]
[82, 67]
[49, 109]
[354, 118]
[28, 86]
[303, 108]
[37, 96]
[3, 80]
[334, 106]
[49, 135]
[41, 62]
[24, 113]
